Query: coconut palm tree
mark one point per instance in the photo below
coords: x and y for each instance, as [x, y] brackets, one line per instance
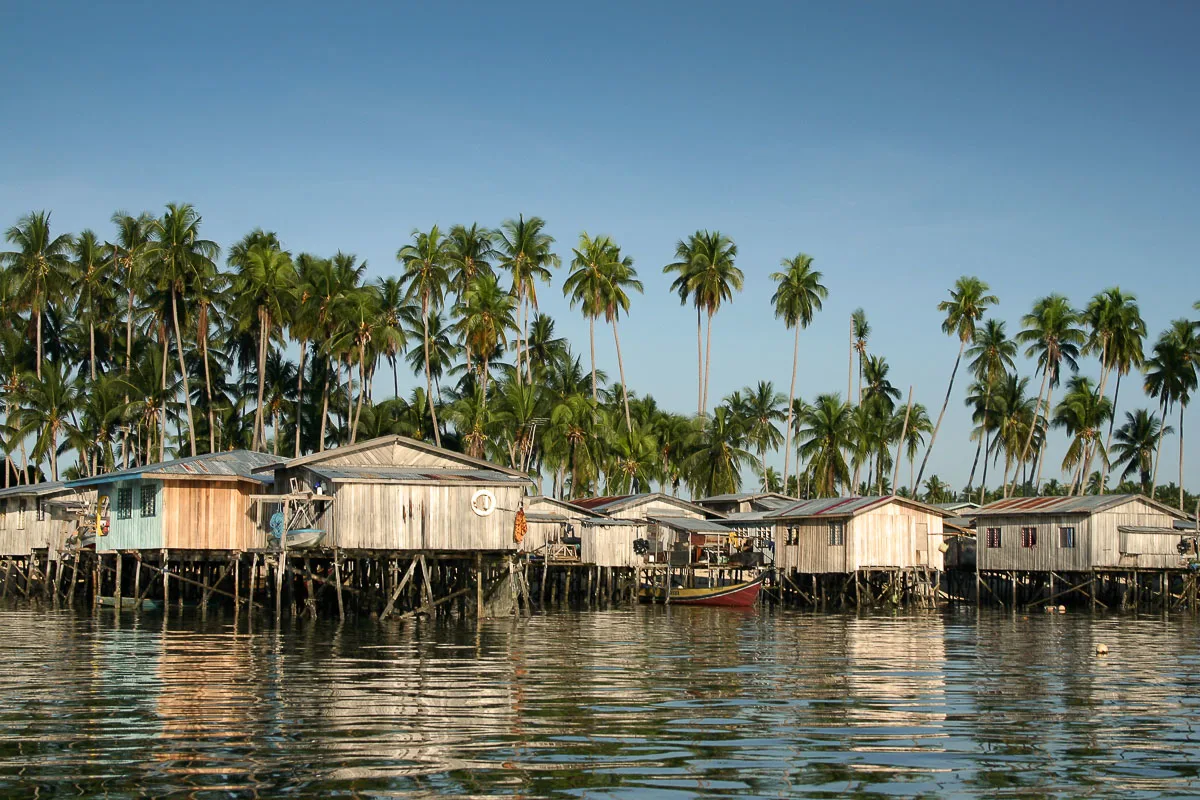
[486, 314]
[759, 412]
[41, 262]
[860, 333]
[90, 277]
[1051, 331]
[799, 294]
[826, 435]
[1136, 443]
[969, 299]
[425, 275]
[993, 355]
[720, 453]
[619, 278]
[50, 405]
[685, 266]
[1115, 333]
[1171, 377]
[263, 290]
[525, 253]
[396, 314]
[469, 253]
[1082, 414]
[586, 285]
[180, 258]
[919, 425]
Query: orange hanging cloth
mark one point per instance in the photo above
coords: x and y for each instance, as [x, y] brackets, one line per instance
[520, 526]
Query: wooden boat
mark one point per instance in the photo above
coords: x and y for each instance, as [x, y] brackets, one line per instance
[733, 595]
[131, 602]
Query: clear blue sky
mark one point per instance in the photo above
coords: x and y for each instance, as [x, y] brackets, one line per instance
[1042, 146]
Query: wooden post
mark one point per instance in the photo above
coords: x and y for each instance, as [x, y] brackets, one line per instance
[427, 603]
[137, 575]
[337, 577]
[280, 568]
[253, 578]
[479, 585]
[7, 576]
[117, 584]
[1094, 590]
[74, 576]
[310, 598]
[237, 582]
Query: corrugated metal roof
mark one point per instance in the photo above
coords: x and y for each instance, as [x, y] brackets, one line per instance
[613, 503]
[34, 489]
[775, 503]
[691, 525]
[410, 474]
[1146, 529]
[231, 463]
[597, 503]
[828, 507]
[744, 517]
[1022, 506]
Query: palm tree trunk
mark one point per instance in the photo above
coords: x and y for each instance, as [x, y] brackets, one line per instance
[592, 345]
[987, 447]
[707, 361]
[92, 348]
[621, 369]
[1091, 452]
[54, 453]
[933, 436]
[787, 447]
[437, 436]
[483, 404]
[362, 387]
[187, 394]
[212, 423]
[396, 376]
[259, 431]
[1108, 439]
[1037, 407]
[162, 431]
[324, 408]
[300, 392]
[275, 427]
[1182, 407]
[699, 365]
[850, 363]
[37, 312]
[1041, 456]
[1158, 450]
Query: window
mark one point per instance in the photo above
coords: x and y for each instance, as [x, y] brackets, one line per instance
[41, 510]
[148, 495]
[124, 503]
[1066, 537]
[837, 534]
[993, 537]
[22, 507]
[1028, 537]
[793, 536]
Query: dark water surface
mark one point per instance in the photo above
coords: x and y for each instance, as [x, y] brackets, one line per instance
[648, 702]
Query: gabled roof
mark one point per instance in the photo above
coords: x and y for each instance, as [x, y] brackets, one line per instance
[535, 500]
[615, 503]
[342, 474]
[690, 524]
[399, 452]
[835, 507]
[35, 489]
[1086, 504]
[741, 497]
[226, 465]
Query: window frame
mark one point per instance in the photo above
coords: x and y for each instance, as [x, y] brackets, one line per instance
[147, 491]
[837, 533]
[1070, 542]
[124, 504]
[1029, 536]
[22, 511]
[999, 539]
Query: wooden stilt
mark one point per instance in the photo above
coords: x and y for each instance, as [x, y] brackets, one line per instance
[391, 604]
[337, 577]
[137, 576]
[280, 569]
[479, 585]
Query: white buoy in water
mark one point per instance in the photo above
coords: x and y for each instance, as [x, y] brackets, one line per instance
[1101, 649]
[1062, 609]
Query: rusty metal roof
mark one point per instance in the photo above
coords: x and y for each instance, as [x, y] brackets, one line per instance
[1087, 504]
[228, 464]
[381, 474]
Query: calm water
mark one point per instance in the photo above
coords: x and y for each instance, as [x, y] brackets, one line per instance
[650, 702]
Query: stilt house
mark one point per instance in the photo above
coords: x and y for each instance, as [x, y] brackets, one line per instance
[667, 524]
[746, 502]
[552, 524]
[197, 503]
[848, 534]
[39, 516]
[1077, 534]
[400, 494]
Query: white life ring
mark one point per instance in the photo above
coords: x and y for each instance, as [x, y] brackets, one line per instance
[483, 502]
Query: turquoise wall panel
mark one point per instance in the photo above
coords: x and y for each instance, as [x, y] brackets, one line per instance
[138, 532]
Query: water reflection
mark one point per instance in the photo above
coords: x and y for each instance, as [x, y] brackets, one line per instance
[649, 702]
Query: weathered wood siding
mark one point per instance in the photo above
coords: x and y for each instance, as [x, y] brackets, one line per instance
[15, 519]
[137, 532]
[655, 508]
[812, 553]
[895, 535]
[611, 545]
[389, 454]
[397, 516]
[1144, 550]
[541, 531]
[21, 530]
[210, 515]
[1106, 536]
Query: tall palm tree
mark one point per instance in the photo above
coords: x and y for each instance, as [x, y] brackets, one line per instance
[860, 333]
[1082, 413]
[396, 313]
[798, 296]
[93, 288]
[760, 411]
[263, 288]
[825, 436]
[1051, 331]
[525, 253]
[41, 262]
[715, 466]
[425, 274]
[180, 258]
[993, 355]
[1115, 333]
[51, 403]
[469, 253]
[919, 425]
[685, 267]
[969, 299]
[619, 279]
[586, 285]
[1171, 377]
[1136, 442]
[486, 315]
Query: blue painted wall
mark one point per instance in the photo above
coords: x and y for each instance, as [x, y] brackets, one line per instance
[138, 532]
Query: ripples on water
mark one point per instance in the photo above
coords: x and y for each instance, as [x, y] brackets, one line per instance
[648, 702]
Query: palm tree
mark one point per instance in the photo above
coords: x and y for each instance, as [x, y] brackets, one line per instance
[1171, 377]
[425, 275]
[685, 266]
[586, 285]
[93, 288]
[1115, 332]
[919, 424]
[715, 466]
[1081, 413]
[1136, 441]
[798, 296]
[396, 313]
[619, 278]
[469, 252]
[51, 402]
[992, 356]
[525, 253]
[759, 412]
[181, 258]
[486, 316]
[707, 273]
[879, 393]
[263, 288]
[41, 263]
[969, 299]
[1052, 333]
[825, 436]
[860, 332]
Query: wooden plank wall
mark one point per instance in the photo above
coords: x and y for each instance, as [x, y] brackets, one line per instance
[611, 545]
[1046, 556]
[396, 516]
[1152, 550]
[895, 535]
[210, 515]
[1106, 536]
[14, 523]
[137, 532]
[657, 508]
[812, 554]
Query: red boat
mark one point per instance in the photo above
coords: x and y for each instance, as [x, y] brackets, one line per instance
[733, 595]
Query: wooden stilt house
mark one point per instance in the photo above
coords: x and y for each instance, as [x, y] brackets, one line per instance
[664, 522]
[399, 494]
[197, 503]
[39, 516]
[746, 502]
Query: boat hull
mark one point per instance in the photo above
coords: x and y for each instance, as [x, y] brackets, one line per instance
[735, 595]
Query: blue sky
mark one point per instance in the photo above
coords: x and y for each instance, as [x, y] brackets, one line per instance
[1042, 146]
